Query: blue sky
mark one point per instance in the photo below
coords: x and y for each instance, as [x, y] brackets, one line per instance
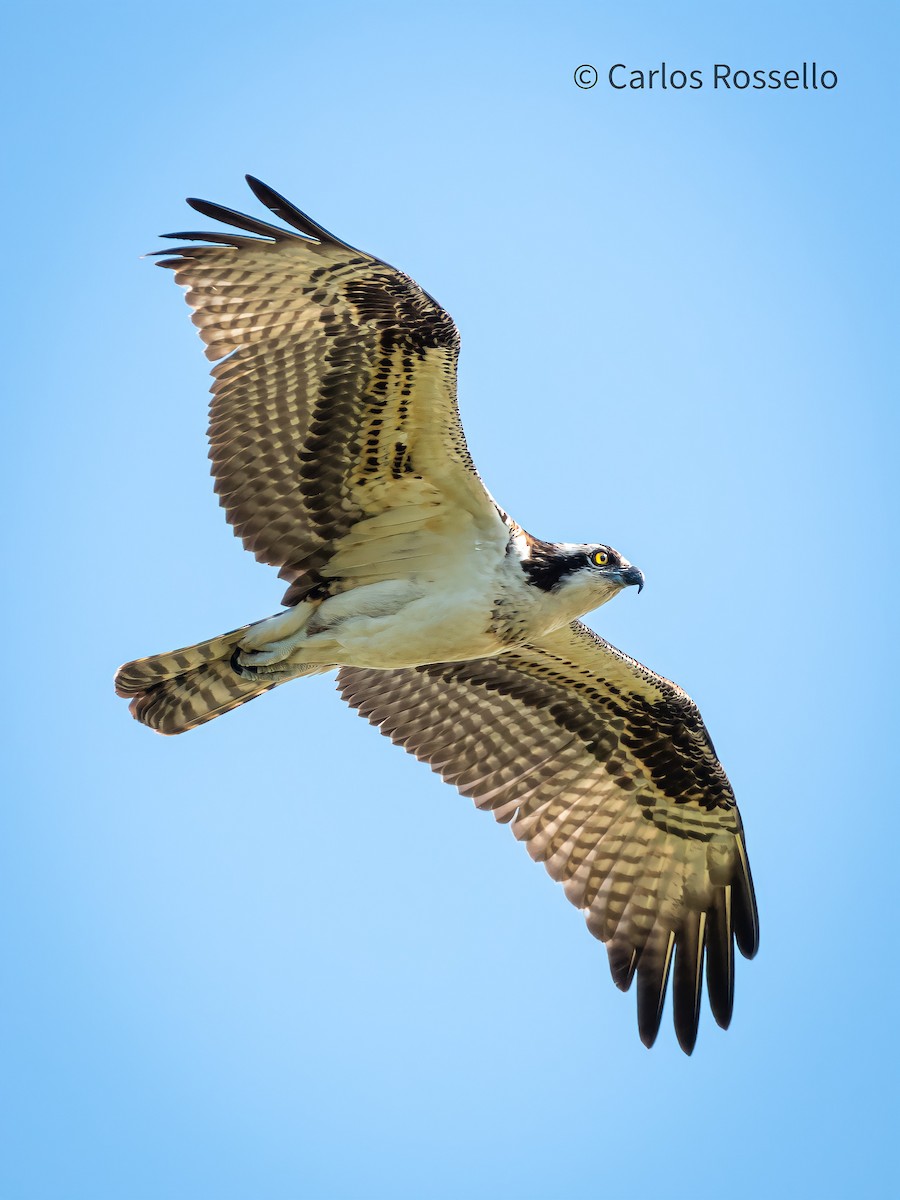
[277, 957]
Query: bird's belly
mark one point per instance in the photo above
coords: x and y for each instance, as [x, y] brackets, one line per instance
[429, 629]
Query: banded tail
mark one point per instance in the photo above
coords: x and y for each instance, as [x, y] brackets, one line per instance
[174, 692]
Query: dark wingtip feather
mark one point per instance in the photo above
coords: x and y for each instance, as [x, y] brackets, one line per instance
[746, 913]
[289, 212]
[623, 959]
[653, 976]
[648, 1029]
[219, 239]
[229, 216]
[720, 958]
[687, 1043]
[687, 981]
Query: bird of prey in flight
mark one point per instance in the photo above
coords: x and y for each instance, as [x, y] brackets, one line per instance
[339, 457]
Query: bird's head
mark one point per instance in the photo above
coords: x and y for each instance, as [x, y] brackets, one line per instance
[600, 574]
[583, 576]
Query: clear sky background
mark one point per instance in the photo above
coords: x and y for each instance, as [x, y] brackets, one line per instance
[277, 957]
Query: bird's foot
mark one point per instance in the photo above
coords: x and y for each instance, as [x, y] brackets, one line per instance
[272, 653]
[247, 665]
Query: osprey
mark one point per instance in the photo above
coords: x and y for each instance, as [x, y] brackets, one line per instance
[339, 457]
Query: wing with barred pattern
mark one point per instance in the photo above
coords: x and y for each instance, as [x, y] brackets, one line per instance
[609, 776]
[335, 437]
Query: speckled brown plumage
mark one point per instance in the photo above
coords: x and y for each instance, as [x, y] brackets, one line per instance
[608, 775]
[337, 399]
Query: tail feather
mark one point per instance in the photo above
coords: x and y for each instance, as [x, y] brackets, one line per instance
[135, 676]
[174, 692]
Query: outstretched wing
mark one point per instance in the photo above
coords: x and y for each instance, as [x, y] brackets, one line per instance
[335, 438]
[610, 778]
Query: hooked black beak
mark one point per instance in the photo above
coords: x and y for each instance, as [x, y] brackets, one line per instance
[632, 575]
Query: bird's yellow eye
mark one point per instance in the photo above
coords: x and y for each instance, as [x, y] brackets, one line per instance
[601, 558]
